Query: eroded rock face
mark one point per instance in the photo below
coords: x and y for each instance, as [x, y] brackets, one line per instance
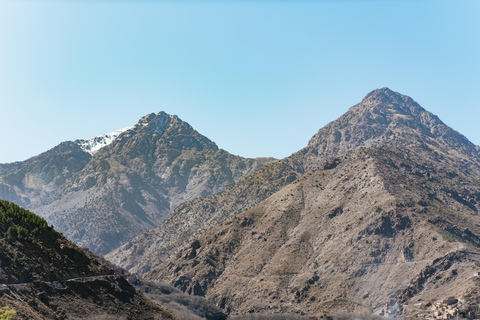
[373, 228]
[383, 118]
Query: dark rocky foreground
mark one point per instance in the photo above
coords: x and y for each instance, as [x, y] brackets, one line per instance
[80, 298]
[45, 276]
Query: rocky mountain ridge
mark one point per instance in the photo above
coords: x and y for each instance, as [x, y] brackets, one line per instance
[382, 118]
[379, 211]
[32, 182]
[94, 144]
[128, 186]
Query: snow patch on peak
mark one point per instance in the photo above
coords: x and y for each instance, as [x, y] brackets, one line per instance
[94, 144]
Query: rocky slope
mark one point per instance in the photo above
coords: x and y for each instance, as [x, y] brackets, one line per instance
[30, 183]
[129, 185]
[45, 276]
[382, 118]
[182, 305]
[371, 227]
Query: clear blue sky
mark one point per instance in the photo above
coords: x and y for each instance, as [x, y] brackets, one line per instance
[259, 78]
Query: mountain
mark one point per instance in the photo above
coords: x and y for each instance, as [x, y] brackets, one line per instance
[382, 118]
[108, 195]
[376, 228]
[45, 276]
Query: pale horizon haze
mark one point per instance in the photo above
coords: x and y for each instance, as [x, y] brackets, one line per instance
[258, 78]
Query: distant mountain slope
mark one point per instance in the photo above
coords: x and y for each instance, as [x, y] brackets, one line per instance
[359, 232]
[382, 118]
[132, 184]
[45, 276]
[32, 182]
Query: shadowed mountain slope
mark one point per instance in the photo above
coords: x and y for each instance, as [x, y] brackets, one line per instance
[359, 232]
[45, 276]
[383, 118]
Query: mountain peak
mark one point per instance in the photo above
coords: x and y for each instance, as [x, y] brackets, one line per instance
[389, 100]
[384, 117]
[157, 122]
[169, 127]
[385, 91]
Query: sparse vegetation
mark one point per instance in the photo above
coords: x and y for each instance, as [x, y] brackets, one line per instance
[450, 237]
[183, 306]
[115, 317]
[103, 317]
[7, 313]
[363, 316]
[272, 316]
[347, 225]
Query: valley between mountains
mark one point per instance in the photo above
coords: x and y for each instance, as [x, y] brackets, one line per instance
[379, 213]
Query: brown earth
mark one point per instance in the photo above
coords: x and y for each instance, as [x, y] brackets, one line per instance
[353, 235]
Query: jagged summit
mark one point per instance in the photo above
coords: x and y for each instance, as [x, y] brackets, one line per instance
[153, 123]
[386, 99]
[386, 93]
[384, 117]
[157, 121]
[160, 128]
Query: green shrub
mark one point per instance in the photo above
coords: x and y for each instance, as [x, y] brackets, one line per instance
[450, 237]
[20, 223]
[7, 313]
